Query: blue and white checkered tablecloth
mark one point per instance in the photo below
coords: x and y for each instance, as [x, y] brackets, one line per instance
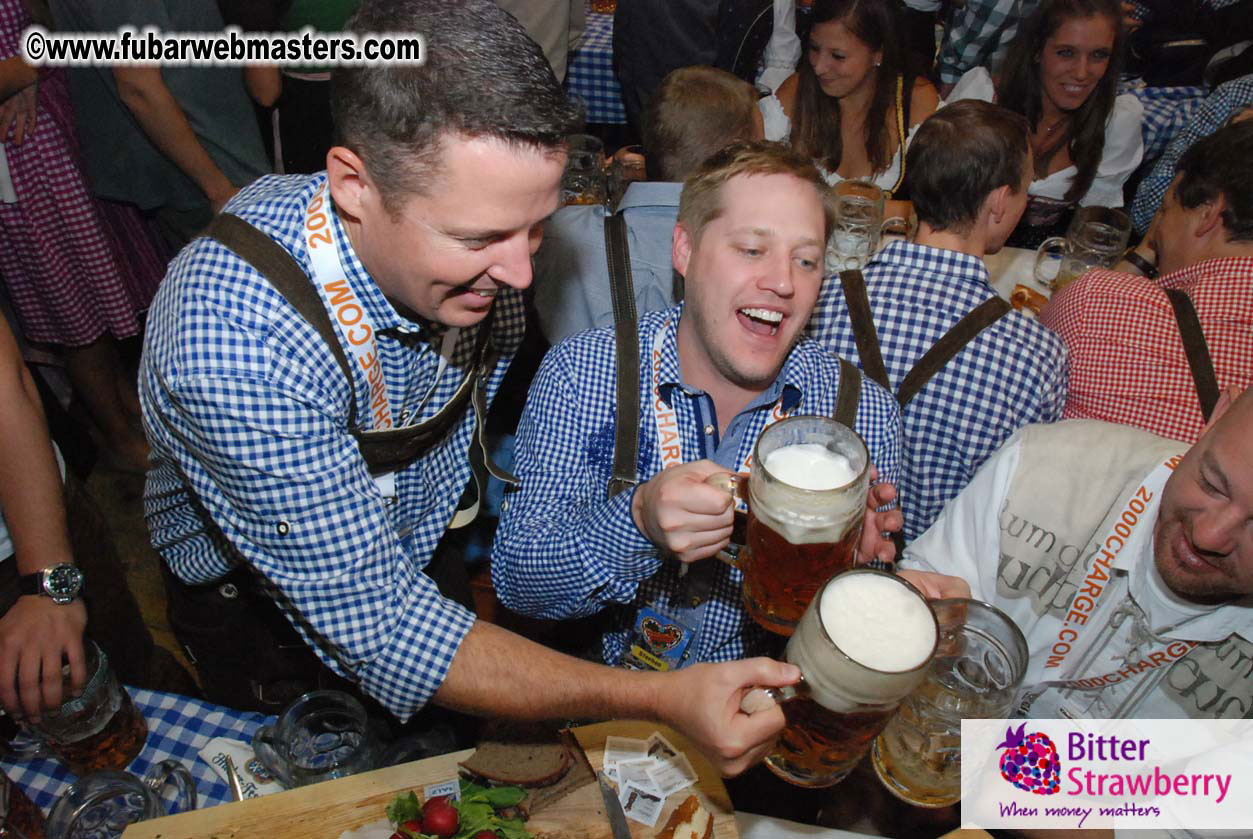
[178, 727]
[590, 77]
[1166, 111]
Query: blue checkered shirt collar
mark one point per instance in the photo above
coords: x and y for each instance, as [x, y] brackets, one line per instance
[947, 267]
[790, 381]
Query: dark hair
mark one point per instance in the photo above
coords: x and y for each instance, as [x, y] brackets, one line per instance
[958, 156]
[1221, 164]
[695, 112]
[816, 116]
[483, 77]
[1020, 88]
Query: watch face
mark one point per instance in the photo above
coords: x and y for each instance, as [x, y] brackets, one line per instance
[63, 582]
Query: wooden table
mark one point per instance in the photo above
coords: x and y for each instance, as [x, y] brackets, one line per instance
[327, 809]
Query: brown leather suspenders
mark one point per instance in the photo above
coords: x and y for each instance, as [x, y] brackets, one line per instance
[933, 360]
[1199, 361]
[383, 451]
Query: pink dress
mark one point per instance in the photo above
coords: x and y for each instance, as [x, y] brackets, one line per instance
[73, 268]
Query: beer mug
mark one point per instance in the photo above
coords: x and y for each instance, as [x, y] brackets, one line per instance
[806, 501]
[19, 817]
[101, 805]
[863, 644]
[978, 666]
[583, 181]
[858, 225]
[99, 729]
[1096, 238]
[323, 734]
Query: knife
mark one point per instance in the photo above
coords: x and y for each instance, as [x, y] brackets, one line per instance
[613, 808]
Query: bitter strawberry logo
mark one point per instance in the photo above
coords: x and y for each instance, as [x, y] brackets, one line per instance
[1030, 762]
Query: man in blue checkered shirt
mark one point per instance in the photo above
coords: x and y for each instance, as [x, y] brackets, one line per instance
[968, 169]
[749, 243]
[977, 34]
[424, 223]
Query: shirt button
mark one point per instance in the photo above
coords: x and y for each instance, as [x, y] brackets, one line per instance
[504, 505]
[709, 429]
[283, 528]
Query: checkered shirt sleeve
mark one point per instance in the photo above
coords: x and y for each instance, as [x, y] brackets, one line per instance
[1201, 120]
[1013, 373]
[247, 414]
[1127, 360]
[563, 550]
[977, 34]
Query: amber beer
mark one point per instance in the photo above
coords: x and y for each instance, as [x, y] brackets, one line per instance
[98, 729]
[114, 746]
[862, 645]
[806, 502]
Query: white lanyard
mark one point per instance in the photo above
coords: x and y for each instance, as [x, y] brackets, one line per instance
[347, 311]
[1133, 525]
[355, 324]
[669, 440]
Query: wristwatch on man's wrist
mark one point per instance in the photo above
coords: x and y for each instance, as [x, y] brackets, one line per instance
[1142, 265]
[62, 582]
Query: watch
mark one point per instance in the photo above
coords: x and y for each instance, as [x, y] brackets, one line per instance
[62, 582]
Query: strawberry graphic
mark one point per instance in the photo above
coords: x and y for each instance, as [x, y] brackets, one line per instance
[1030, 762]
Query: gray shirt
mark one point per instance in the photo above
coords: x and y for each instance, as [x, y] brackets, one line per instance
[571, 271]
[122, 162]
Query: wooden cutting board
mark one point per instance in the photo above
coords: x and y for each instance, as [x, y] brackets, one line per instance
[331, 807]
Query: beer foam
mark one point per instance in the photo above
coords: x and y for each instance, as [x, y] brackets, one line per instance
[810, 466]
[878, 622]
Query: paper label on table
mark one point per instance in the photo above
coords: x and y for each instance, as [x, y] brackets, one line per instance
[254, 780]
[661, 748]
[672, 775]
[618, 749]
[635, 773]
[451, 788]
[641, 805]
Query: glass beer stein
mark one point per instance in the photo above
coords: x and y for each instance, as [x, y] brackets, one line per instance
[859, 207]
[322, 735]
[19, 817]
[862, 645]
[101, 805]
[806, 501]
[99, 729]
[979, 664]
[1096, 238]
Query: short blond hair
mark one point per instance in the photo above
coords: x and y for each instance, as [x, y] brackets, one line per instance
[696, 111]
[701, 199]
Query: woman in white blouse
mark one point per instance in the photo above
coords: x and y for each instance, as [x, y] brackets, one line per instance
[849, 105]
[1061, 73]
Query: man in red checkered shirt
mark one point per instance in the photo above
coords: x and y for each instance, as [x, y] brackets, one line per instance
[1127, 359]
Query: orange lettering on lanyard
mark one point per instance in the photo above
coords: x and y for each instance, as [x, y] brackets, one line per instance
[1094, 584]
[350, 315]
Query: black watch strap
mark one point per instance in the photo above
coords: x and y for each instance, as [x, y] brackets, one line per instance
[1145, 267]
[30, 583]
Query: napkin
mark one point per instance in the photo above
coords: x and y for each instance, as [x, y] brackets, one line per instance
[254, 780]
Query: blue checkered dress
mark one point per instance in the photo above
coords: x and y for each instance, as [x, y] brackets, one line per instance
[563, 550]
[1011, 374]
[247, 414]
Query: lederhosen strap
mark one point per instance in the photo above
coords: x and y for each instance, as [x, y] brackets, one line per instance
[383, 451]
[862, 321]
[848, 397]
[950, 344]
[1194, 344]
[626, 339]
